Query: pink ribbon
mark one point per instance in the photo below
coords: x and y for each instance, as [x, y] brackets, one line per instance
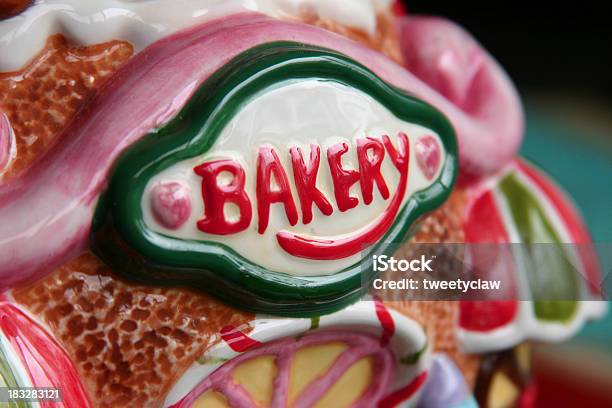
[473, 91]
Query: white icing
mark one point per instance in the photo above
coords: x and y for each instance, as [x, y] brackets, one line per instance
[298, 114]
[142, 22]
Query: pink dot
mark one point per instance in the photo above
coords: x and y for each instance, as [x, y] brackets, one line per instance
[428, 155]
[171, 204]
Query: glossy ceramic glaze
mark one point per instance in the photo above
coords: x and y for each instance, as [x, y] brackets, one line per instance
[228, 147]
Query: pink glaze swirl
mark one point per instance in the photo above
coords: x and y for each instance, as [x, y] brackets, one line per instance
[46, 213]
[480, 100]
[360, 345]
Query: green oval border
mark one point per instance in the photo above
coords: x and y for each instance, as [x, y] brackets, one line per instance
[121, 238]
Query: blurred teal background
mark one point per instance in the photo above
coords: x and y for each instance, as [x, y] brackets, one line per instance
[573, 143]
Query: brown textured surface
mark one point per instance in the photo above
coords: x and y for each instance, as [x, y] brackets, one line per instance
[41, 98]
[444, 225]
[10, 8]
[385, 39]
[130, 343]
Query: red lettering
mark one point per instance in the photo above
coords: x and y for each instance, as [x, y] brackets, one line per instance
[370, 155]
[269, 164]
[369, 168]
[216, 195]
[305, 182]
[399, 159]
[320, 248]
[343, 179]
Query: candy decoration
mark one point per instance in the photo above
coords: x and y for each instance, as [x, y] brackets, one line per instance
[30, 358]
[572, 220]
[484, 225]
[237, 340]
[522, 206]
[534, 227]
[343, 346]
[386, 321]
[170, 204]
[357, 348]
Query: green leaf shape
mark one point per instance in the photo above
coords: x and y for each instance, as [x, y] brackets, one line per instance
[551, 275]
[10, 381]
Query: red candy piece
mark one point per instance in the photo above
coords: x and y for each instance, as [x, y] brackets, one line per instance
[47, 364]
[170, 204]
[487, 315]
[484, 225]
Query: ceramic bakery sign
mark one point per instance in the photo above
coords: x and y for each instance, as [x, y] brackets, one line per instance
[281, 173]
